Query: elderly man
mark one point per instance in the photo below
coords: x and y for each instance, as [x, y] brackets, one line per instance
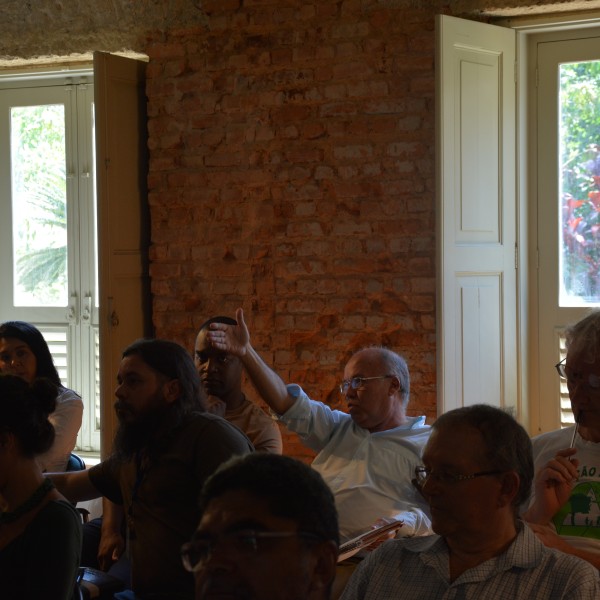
[164, 450]
[366, 457]
[221, 375]
[477, 471]
[565, 512]
[268, 531]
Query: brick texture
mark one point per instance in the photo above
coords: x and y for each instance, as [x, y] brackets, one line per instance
[291, 173]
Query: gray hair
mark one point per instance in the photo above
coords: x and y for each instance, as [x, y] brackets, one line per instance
[584, 336]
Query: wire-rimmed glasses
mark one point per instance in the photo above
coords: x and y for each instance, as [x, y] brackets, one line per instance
[424, 474]
[574, 377]
[357, 382]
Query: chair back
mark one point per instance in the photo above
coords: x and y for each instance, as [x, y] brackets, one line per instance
[75, 463]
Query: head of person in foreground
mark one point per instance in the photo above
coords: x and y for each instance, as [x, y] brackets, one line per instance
[477, 472]
[268, 531]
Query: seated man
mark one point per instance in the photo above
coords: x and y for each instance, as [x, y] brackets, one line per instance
[478, 469]
[268, 530]
[164, 450]
[565, 512]
[221, 375]
[366, 457]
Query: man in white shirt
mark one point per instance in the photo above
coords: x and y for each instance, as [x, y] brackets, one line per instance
[367, 457]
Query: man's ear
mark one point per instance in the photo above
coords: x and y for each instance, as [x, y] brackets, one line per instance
[394, 385]
[172, 390]
[510, 487]
[323, 573]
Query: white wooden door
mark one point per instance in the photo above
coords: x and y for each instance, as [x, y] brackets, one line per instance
[476, 215]
[123, 223]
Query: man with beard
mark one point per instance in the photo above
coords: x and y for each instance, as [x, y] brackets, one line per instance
[165, 448]
[268, 531]
[221, 376]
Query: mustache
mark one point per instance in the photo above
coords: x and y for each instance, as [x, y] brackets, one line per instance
[122, 406]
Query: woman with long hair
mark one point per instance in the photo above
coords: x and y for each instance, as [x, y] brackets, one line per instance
[25, 353]
[40, 531]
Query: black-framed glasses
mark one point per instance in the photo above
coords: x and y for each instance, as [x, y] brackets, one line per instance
[247, 542]
[358, 382]
[573, 377]
[423, 475]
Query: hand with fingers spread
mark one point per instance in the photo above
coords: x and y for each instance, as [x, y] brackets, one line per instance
[553, 485]
[234, 339]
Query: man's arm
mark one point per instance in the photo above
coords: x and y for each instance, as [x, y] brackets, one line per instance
[551, 539]
[112, 543]
[235, 339]
[75, 486]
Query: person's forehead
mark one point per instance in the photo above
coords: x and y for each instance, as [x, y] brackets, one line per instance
[454, 445]
[582, 358]
[363, 361]
[11, 343]
[134, 363]
[202, 340]
[241, 507]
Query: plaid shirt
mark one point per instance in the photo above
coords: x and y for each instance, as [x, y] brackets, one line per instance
[417, 568]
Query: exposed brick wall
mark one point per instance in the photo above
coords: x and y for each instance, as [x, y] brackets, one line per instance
[291, 165]
[292, 173]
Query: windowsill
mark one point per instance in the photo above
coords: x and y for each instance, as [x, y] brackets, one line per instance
[89, 458]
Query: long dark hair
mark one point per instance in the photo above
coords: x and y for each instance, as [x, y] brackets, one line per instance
[35, 340]
[24, 410]
[173, 361]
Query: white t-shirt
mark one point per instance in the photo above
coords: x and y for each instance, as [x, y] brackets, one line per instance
[66, 419]
[578, 521]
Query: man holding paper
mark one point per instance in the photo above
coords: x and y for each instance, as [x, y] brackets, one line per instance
[367, 457]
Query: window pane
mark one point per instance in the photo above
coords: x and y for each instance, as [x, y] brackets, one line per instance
[580, 183]
[39, 205]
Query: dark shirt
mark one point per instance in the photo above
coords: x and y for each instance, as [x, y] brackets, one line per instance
[160, 499]
[43, 561]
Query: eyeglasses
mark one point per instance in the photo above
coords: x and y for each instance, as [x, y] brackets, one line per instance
[357, 382]
[593, 381]
[197, 552]
[423, 474]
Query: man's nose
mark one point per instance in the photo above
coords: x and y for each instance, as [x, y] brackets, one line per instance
[350, 392]
[212, 365]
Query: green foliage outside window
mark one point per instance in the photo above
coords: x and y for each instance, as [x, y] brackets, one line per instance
[580, 160]
[39, 203]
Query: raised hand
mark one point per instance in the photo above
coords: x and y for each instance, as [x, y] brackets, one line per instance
[553, 485]
[234, 339]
